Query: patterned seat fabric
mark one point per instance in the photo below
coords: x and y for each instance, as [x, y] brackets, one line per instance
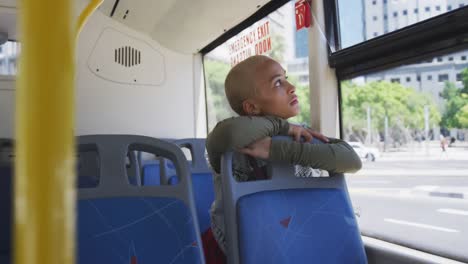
[298, 226]
[136, 230]
[203, 189]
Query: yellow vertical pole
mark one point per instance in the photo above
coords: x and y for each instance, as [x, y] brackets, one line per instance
[44, 180]
[89, 9]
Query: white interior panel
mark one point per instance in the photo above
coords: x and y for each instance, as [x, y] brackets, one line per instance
[106, 107]
[199, 97]
[8, 3]
[142, 15]
[106, 6]
[181, 25]
[119, 57]
[7, 108]
[191, 25]
[324, 107]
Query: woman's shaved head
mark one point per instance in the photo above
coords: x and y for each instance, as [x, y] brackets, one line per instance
[240, 81]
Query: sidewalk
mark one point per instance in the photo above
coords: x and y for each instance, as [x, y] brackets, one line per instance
[421, 152]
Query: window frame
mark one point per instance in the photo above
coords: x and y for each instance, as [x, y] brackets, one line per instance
[261, 13]
[439, 35]
[9, 77]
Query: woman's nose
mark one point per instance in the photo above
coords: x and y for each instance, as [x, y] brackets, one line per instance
[291, 89]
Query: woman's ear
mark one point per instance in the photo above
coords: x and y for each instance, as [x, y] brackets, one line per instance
[250, 107]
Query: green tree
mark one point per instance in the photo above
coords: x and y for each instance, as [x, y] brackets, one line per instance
[462, 116]
[453, 103]
[403, 106]
[218, 106]
[464, 74]
[278, 46]
[456, 101]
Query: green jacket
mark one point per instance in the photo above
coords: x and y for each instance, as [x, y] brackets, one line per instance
[238, 132]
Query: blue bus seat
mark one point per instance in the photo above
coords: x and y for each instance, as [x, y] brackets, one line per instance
[158, 172]
[119, 222]
[85, 179]
[285, 219]
[151, 173]
[6, 213]
[202, 180]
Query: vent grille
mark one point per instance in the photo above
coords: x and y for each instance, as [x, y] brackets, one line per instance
[127, 56]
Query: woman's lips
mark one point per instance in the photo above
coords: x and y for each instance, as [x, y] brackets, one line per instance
[294, 101]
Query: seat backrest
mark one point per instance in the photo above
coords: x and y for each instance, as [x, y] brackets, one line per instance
[285, 219]
[119, 222]
[202, 179]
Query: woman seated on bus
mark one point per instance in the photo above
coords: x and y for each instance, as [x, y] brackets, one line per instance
[257, 89]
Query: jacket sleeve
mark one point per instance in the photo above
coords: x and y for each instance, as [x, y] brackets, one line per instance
[336, 156]
[238, 132]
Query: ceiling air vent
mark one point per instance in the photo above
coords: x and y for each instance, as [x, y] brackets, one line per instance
[127, 56]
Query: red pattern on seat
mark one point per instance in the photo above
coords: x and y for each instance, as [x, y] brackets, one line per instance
[285, 222]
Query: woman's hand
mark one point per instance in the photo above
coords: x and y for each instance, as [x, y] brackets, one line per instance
[260, 149]
[297, 132]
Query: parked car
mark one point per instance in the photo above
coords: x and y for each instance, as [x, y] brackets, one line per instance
[365, 153]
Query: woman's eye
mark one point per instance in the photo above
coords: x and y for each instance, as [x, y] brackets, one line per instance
[278, 83]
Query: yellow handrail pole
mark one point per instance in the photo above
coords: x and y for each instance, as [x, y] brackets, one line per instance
[90, 8]
[44, 180]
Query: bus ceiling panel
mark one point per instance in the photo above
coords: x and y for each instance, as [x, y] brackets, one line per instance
[180, 25]
[140, 15]
[8, 3]
[8, 22]
[107, 6]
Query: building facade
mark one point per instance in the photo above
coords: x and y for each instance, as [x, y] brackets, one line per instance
[383, 16]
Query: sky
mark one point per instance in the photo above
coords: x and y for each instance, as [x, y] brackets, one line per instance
[351, 22]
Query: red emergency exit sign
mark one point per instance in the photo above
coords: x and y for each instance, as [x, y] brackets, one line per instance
[303, 14]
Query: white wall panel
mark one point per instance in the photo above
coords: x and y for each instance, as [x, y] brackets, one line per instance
[7, 107]
[112, 107]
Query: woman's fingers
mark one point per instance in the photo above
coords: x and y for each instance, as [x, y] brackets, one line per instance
[307, 135]
[297, 136]
[319, 136]
[246, 151]
[258, 149]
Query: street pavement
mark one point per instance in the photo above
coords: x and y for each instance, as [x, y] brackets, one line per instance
[415, 199]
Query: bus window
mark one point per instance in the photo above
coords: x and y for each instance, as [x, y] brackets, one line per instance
[364, 20]
[274, 35]
[413, 138]
[9, 53]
